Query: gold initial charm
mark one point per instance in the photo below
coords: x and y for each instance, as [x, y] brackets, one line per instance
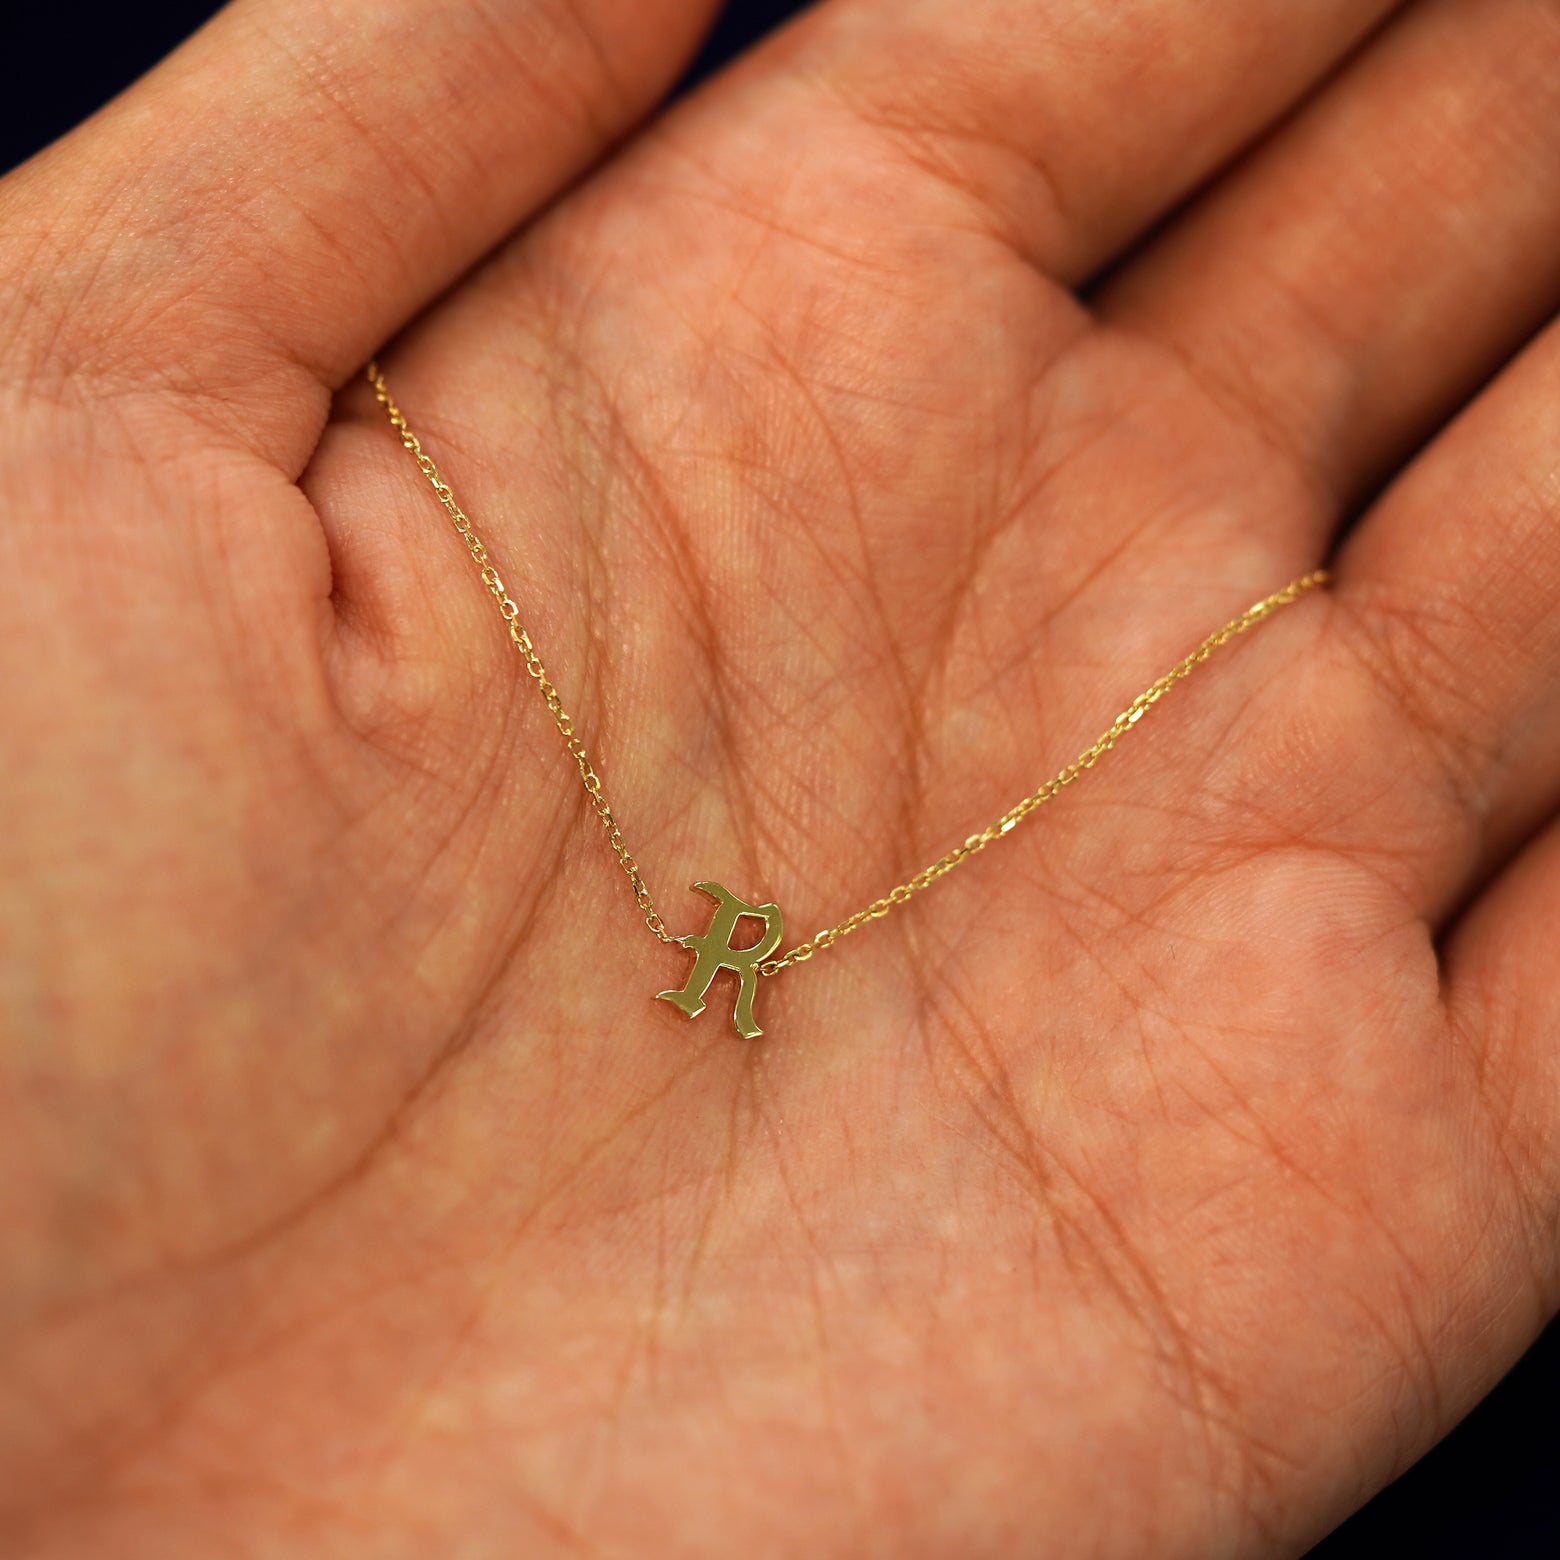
[715, 954]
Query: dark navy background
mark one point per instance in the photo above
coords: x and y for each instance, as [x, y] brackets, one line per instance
[1491, 1491]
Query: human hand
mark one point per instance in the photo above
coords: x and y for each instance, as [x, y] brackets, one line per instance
[1158, 1184]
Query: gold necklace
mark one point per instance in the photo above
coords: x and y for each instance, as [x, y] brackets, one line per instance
[712, 949]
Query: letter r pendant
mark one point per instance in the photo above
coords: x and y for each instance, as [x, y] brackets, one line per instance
[715, 953]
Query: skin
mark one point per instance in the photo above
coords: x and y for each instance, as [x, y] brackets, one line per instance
[857, 437]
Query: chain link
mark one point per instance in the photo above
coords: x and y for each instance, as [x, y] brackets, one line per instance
[923, 879]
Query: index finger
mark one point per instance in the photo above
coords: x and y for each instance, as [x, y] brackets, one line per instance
[300, 177]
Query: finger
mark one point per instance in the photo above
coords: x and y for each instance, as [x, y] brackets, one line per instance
[1502, 988]
[1070, 126]
[303, 175]
[1355, 280]
[1449, 623]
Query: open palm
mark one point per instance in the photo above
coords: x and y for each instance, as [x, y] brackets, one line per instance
[1156, 1185]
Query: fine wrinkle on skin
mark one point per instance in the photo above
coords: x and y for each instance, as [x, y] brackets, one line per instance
[362, 257]
[570, 81]
[1008, 515]
[696, 590]
[963, 109]
[780, 360]
[844, 464]
[616, 448]
[761, 207]
[1256, 1474]
[1401, 1331]
[1318, 498]
[959, 1050]
[496, 1267]
[244, 1244]
[1483, 1030]
[253, 1243]
[1306, 794]
[938, 150]
[115, 354]
[1400, 649]
[218, 1343]
[598, 96]
[74, 259]
[612, 447]
[1099, 1249]
[820, 1267]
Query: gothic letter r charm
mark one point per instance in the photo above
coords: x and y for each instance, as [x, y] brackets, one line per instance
[715, 954]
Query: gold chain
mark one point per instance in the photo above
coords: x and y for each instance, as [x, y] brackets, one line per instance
[1087, 759]
[923, 879]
